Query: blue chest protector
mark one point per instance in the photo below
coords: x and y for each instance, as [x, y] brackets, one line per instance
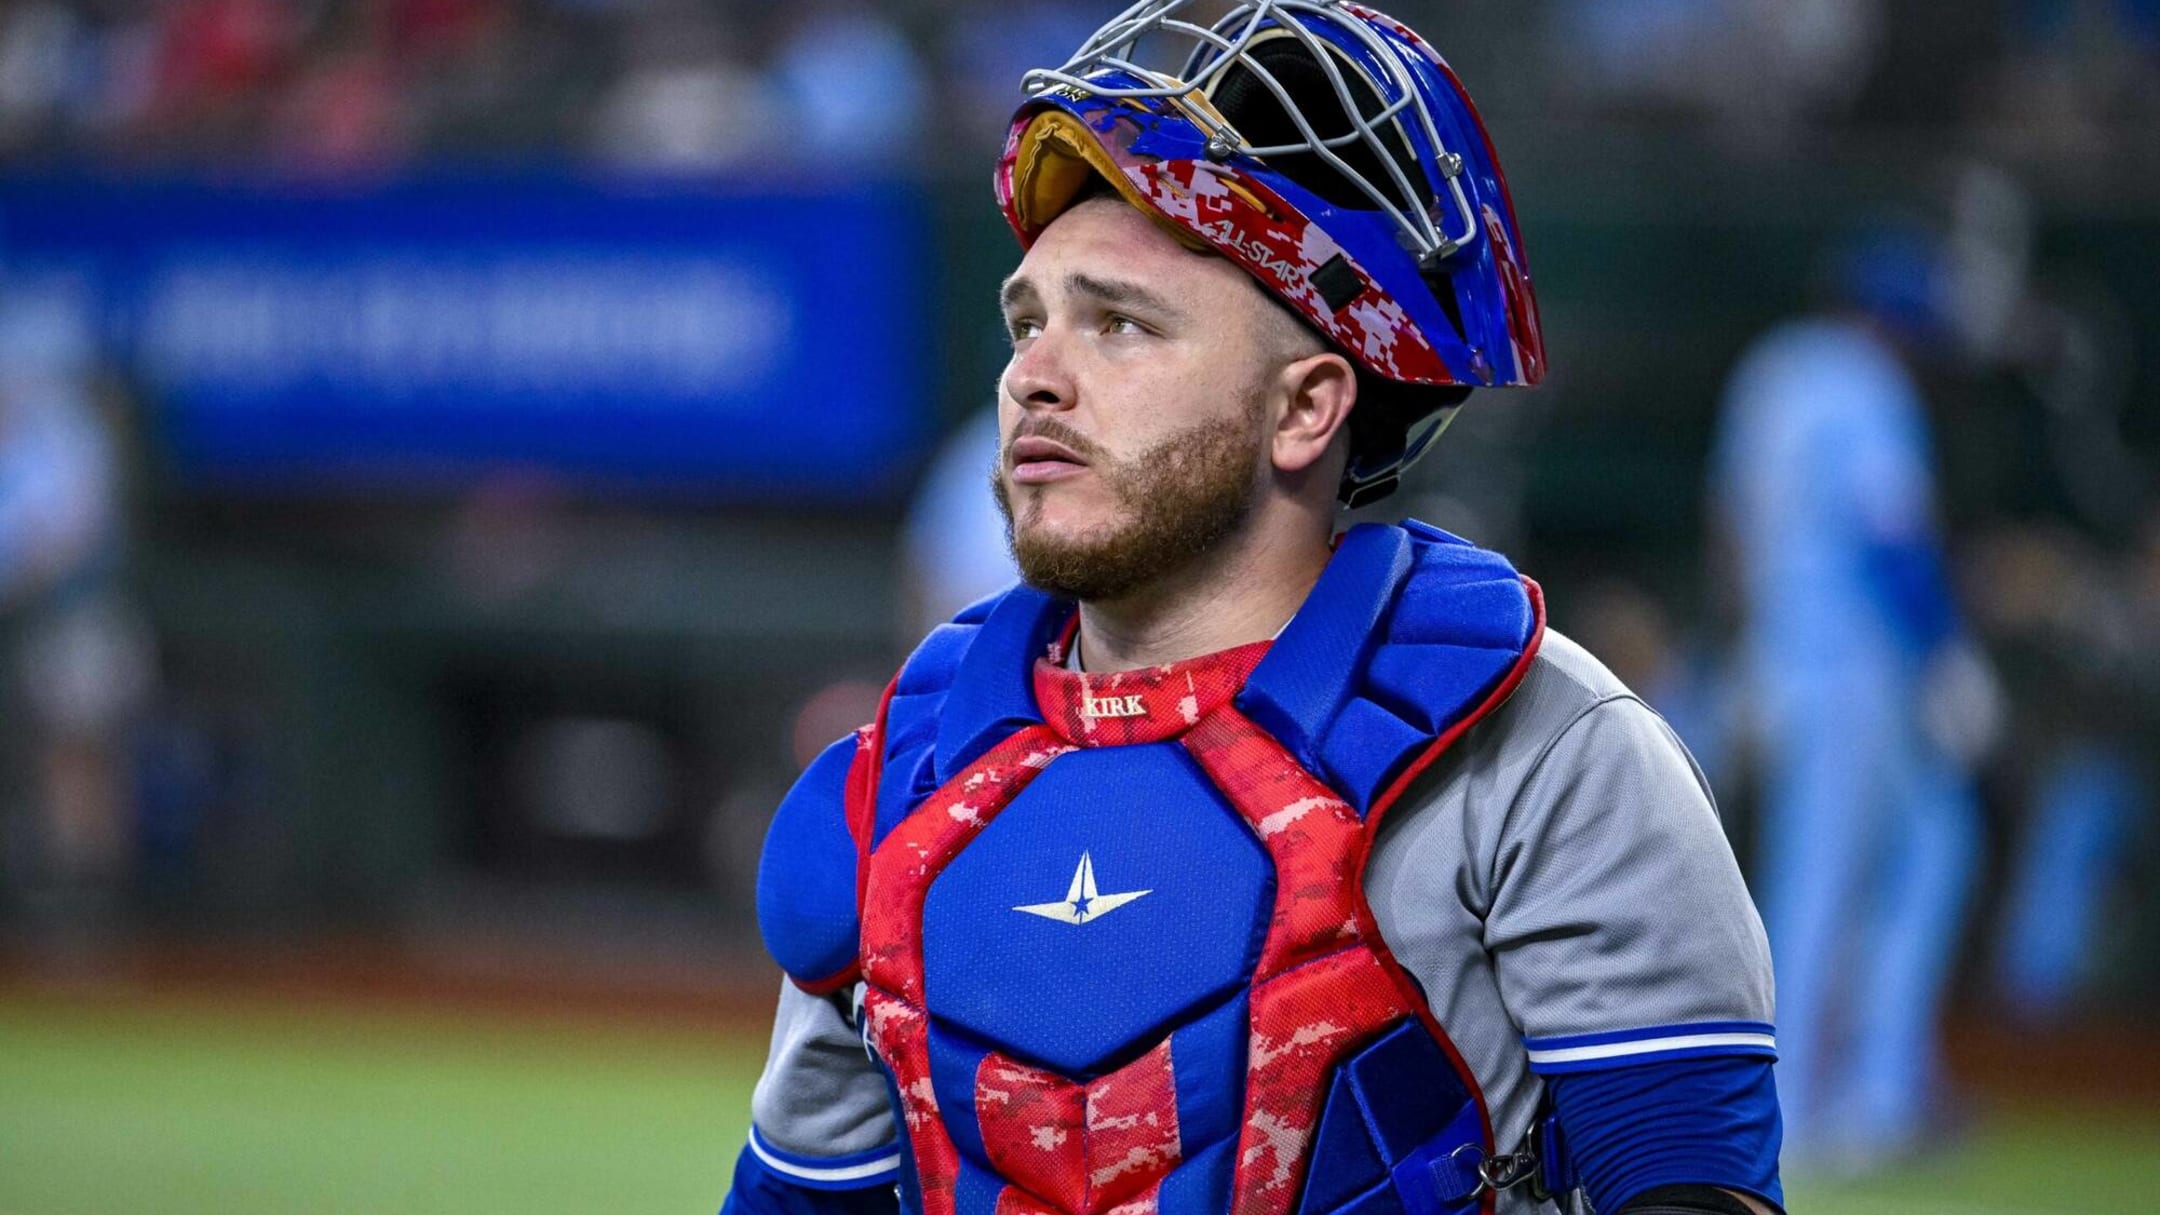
[1089, 927]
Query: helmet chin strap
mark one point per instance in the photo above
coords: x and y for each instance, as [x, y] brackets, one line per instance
[1364, 490]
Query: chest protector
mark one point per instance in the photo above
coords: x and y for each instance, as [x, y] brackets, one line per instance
[1117, 954]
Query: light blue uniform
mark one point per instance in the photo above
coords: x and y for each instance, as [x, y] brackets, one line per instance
[1871, 834]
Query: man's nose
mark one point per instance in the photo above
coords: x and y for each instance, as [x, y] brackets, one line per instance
[1040, 376]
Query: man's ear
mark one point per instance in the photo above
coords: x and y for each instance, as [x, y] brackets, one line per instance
[1319, 391]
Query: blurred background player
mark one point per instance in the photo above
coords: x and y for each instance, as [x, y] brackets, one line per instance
[1876, 706]
[953, 548]
[2078, 633]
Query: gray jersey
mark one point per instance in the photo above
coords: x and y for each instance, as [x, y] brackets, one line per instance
[1559, 874]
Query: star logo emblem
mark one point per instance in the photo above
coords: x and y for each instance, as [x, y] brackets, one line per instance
[1082, 901]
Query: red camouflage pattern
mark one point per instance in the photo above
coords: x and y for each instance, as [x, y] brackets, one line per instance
[1150, 704]
[919, 848]
[1094, 1147]
[1254, 227]
[897, 880]
[1325, 985]
[899, 1031]
[1320, 990]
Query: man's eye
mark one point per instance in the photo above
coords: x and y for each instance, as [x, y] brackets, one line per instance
[1020, 330]
[1125, 324]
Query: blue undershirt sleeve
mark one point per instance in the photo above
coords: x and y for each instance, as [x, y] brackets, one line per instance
[759, 1189]
[1692, 1121]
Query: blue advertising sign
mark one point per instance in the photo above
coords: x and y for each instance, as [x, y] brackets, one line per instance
[677, 338]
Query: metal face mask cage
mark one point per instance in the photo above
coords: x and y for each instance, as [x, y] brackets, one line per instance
[1218, 48]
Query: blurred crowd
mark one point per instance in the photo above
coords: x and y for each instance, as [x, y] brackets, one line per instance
[346, 86]
[343, 86]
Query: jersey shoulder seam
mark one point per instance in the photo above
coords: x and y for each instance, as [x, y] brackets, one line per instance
[1537, 765]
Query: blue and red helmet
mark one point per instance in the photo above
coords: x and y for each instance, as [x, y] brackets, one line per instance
[1325, 148]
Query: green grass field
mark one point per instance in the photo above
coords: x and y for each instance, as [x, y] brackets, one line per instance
[180, 1109]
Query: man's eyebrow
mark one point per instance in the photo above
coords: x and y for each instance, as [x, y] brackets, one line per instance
[1121, 294]
[1019, 290]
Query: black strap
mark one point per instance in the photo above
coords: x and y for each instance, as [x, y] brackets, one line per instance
[1686, 1200]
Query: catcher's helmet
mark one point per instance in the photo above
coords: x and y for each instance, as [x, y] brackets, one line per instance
[1328, 150]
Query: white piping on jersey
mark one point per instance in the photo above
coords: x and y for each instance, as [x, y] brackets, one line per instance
[849, 1172]
[1648, 1046]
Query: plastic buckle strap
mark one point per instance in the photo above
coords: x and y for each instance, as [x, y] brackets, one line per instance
[1371, 489]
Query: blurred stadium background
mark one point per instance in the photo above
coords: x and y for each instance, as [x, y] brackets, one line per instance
[458, 458]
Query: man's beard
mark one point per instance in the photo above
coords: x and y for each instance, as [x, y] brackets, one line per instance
[1180, 499]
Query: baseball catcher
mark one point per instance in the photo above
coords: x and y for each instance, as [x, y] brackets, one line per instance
[1231, 865]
